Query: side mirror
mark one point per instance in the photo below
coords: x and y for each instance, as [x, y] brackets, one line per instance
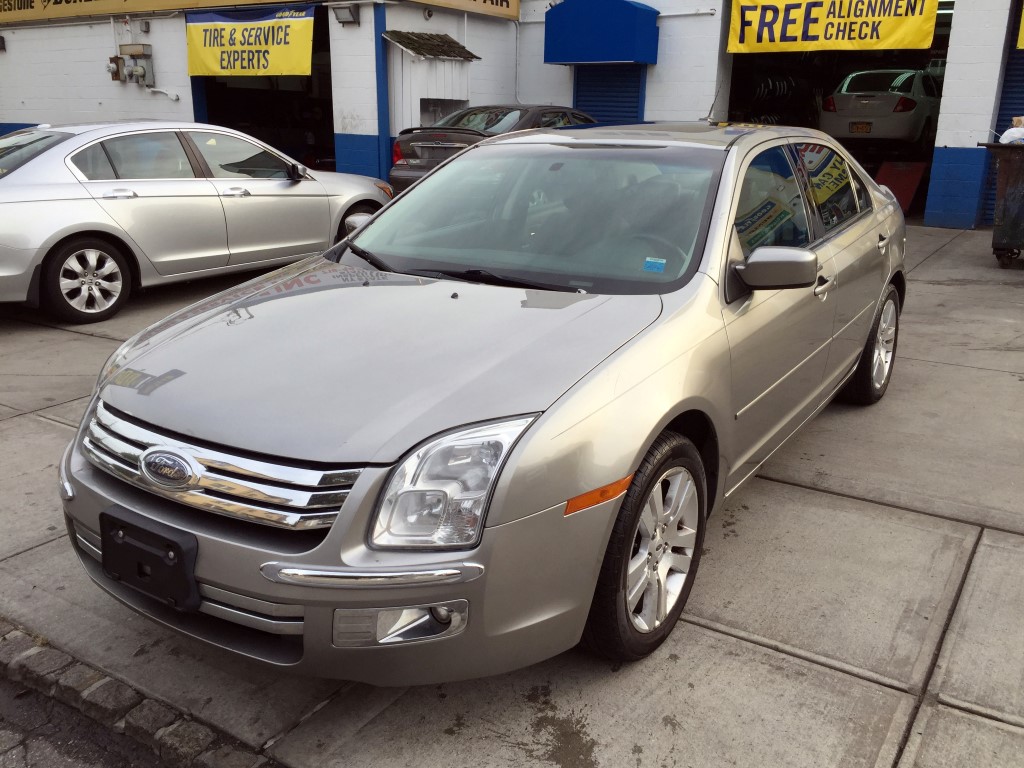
[297, 172]
[775, 267]
[355, 221]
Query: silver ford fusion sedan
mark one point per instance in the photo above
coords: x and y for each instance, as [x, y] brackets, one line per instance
[90, 212]
[494, 420]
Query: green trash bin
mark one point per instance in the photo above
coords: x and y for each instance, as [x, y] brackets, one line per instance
[1008, 234]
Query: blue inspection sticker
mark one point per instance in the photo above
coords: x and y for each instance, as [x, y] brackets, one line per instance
[654, 265]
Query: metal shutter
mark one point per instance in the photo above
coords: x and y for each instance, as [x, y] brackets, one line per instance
[611, 93]
[1011, 104]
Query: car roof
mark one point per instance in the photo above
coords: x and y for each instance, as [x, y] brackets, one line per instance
[721, 136]
[120, 126]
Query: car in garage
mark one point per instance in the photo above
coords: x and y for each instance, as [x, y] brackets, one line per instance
[90, 212]
[900, 105]
[495, 419]
[417, 151]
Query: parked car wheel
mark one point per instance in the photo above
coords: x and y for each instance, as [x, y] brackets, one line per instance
[652, 557]
[86, 280]
[874, 370]
[368, 208]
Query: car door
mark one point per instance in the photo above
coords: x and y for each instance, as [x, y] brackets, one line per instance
[779, 339]
[856, 235]
[146, 183]
[269, 215]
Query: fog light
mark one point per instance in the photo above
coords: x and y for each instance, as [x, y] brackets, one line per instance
[360, 627]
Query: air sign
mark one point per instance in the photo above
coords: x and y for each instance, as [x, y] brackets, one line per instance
[763, 26]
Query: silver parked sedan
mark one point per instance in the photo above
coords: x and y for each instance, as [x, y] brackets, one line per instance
[494, 421]
[89, 212]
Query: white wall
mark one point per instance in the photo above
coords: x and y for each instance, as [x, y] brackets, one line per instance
[539, 83]
[691, 70]
[353, 75]
[490, 80]
[974, 72]
[56, 73]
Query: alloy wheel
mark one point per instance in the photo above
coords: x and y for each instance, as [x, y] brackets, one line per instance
[663, 548]
[90, 280]
[885, 345]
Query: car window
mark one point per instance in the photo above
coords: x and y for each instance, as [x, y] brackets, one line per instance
[149, 156]
[771, 209]
[863, 196]
[581, 119]
[94, 164]
[230, 157]
[829, 176]
[876, 82]
[554, 119]
[19, 147]
[486, 119]
[594, 219]
[930, 88]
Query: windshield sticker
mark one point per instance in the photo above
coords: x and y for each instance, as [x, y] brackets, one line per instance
[654, 265]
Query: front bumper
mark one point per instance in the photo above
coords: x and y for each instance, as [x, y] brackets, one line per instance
[524, 592]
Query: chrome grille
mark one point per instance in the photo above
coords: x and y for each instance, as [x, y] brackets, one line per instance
[278, 495]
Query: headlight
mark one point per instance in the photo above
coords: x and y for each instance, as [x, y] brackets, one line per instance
[436, 498]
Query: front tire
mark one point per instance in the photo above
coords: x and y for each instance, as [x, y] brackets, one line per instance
[86, 280]
[652, 557]
[874, 371]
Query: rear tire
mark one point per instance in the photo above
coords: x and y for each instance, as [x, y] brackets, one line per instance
[874, 371]
[653, 554]
[86, 280]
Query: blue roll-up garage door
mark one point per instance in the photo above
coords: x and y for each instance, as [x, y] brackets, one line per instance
[1011, 105]
[611, 93]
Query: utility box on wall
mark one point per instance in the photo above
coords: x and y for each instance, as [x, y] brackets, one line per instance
[133, 64]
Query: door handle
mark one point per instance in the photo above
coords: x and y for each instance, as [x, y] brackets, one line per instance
[119, 194]
[235, 192]
[882, 240]
[824, 285]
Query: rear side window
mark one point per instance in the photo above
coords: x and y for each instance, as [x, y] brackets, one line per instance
[149, 156]
[771, 209]
[829, 177]
[554, 120]
[19, 147]
[581, 119]
[94, 164]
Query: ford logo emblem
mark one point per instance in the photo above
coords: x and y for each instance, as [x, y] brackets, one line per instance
[167, 469]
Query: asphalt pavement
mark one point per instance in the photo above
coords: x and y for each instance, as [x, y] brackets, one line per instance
[859, 603]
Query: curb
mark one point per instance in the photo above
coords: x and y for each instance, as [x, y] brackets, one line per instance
[176, 738]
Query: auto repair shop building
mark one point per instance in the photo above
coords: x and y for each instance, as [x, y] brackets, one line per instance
[336, 96]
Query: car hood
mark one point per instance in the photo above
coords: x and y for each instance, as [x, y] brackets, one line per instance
[331, 363]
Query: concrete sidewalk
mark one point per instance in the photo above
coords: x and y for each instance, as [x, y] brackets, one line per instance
[861, 603]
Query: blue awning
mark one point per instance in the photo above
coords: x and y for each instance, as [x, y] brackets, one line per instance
[601, 32]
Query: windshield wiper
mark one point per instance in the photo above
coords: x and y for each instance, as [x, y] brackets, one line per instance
[484, 276]
[372, 259]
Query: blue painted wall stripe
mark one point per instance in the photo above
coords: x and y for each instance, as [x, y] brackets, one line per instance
[357, 153]
[11, 127]
[380, 22]
[199, 108]
[956, 186]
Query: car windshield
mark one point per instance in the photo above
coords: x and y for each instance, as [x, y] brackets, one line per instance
[880, 82]
[491, 120]
[19, 147]
[596, 219]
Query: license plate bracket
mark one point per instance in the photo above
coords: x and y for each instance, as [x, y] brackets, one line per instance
[860, 127]
[150, 557]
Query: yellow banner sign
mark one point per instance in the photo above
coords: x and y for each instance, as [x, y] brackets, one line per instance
[764, 26]
[1020, 35]
[40, 10]
[257, 42]
[506, 9]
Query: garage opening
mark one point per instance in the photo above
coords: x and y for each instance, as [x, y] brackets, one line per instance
[293, 113]
[610, 93]
[882, 105]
